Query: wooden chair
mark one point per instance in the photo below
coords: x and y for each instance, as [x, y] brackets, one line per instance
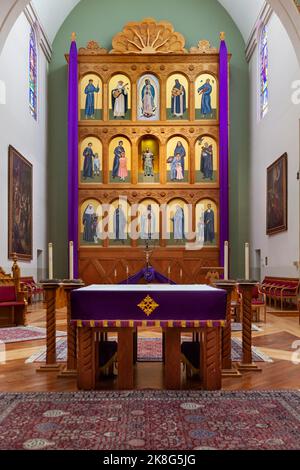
[259, 302]
[13, 305]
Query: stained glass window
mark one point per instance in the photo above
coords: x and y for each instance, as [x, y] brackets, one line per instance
[33, 73]
[264, 84]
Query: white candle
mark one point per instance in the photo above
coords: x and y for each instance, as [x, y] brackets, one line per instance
[71, 260]
[247, 262]
[127, 272]
[226, 261]
[115, 274]
[50, 261]
[180, 274]
[169, 272]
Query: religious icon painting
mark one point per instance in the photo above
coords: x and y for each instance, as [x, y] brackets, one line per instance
[207, 223]
[206, 97]
[91, 96]
[177, 97]
[20, 210]
[120, 160]
[148, 98]
[91, 232]
[177, 160]
[206, 160]
[277, 196]
[90, 161]
[177, 222]
[149, 160]
[148, 221]
[118, 223]
[119, 98]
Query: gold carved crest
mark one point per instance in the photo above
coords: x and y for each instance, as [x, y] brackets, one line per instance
[148, 305]
[203, 47]
[92, 48]
[148, 37]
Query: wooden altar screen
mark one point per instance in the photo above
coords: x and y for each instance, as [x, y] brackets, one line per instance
[149, 51]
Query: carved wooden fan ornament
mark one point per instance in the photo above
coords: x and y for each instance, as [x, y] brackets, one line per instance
[148, 37]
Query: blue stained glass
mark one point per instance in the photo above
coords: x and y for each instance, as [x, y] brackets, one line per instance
[33, 74]
[264, 73]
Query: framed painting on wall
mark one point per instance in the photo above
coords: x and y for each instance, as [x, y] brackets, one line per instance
[277, 196]
[19, 206]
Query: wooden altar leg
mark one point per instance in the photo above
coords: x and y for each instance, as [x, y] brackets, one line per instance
[71, 369]
[50, 296]
[135, 345]
[246, 291]
[86, 377]
[211, 359]
[172, 359]
[227, 369]
[125, 359]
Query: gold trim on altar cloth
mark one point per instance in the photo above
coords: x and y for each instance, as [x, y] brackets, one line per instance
[148, 305]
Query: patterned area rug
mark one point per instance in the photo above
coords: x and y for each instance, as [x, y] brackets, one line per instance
[24, 333]
[149, 350]
[150, 420]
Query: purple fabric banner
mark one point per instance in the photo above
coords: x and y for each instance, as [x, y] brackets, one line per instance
[73, 153]
[224, 153]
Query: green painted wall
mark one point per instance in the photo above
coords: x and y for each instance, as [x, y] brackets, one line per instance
[101, 20]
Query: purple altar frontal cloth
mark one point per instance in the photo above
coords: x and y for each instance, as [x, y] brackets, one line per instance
[148, 305]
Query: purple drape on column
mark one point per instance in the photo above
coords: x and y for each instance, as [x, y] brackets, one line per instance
[224, 154]
[73, 153]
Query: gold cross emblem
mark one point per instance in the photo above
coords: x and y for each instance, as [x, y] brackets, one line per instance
[148, 305]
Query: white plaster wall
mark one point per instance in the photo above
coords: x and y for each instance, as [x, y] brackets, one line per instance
[19, 129]
[276, 133]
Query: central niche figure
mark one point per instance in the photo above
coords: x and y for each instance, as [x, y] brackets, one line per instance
[148, 102]
[149, 160]
[148, 163]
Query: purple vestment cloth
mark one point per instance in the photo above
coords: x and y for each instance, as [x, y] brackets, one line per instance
[224, 174]
[73, 153]
[121, 302]
[148, 274]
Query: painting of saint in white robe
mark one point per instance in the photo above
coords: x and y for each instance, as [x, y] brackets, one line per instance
[178, 224]
[120, 100]
[200, 234]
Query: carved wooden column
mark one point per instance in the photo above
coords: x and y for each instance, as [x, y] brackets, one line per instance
[50, 289]
[210, 357]
[86, 378]
[227, 369]
[71, 368]
[246, 288]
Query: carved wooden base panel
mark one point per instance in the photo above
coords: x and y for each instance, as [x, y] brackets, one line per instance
[109, 266]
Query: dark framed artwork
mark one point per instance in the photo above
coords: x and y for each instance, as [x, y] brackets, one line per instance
[277, 196]
[19, 206]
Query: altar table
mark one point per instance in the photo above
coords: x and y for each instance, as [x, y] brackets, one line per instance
[174, 308]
